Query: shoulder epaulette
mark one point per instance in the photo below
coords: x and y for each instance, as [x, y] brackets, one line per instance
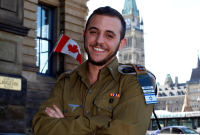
[136, 69]
[145, 78]
[129, 69]
[65, 74]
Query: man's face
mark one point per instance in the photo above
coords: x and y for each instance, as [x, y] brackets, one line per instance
[102, 39]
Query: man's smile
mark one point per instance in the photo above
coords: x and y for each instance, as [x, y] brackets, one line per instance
[99, 49]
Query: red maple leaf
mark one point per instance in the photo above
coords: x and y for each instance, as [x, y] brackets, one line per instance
[73, 48]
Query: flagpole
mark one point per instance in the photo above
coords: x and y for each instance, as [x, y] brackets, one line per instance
[51, 52]
[47, 60]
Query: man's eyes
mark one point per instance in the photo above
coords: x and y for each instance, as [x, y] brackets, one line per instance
[110, 36]
[93, 32]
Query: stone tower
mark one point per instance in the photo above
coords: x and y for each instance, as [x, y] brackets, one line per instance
[133, 51]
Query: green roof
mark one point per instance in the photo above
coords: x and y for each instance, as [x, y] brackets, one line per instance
[128, 6]
[168, 76]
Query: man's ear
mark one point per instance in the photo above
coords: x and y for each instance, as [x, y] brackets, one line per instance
[83, 33]
[122, 43]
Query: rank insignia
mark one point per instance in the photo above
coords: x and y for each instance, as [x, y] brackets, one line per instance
[140, 68]
[114, 95]
[73, 106]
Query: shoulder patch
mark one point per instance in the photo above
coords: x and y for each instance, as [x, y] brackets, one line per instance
[65, 74]
[126, 69]
[146, 79]
[132, 69]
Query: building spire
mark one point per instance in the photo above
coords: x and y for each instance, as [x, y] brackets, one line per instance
[130, 7]
[186, 105]
[168, 80]
[198, 62]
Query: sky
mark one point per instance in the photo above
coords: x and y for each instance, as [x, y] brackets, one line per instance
[171, 35]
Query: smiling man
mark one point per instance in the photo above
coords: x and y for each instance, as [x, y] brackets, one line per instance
[96, 98]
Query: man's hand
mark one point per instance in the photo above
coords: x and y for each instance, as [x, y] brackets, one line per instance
[55, 112]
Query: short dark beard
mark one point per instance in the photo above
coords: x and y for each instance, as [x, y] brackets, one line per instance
[104, 61]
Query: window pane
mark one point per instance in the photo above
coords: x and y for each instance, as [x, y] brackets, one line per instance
[44, 38]
[155, 125]
[44, 54]
[46, 22]
[176, 131]
[37, 52]
[191, 123]
[38, 21]
[173, 122]
[165, 130]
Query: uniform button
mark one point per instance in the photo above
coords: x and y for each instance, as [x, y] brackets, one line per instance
[88, 112]
[111, 100]
[65, 111]
[111, 70]
[98, 109]
[110, 107]
[90, 91]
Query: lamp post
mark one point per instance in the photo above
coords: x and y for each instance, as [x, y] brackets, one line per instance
[198, 100]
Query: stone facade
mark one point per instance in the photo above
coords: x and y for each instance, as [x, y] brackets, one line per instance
[171, 95]
[18, 53]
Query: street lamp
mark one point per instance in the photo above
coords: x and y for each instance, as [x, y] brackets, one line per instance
[198, 100]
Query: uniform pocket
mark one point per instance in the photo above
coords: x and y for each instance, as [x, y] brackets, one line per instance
[105, 105]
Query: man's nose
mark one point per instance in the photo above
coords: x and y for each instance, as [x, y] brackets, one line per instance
[100, 39]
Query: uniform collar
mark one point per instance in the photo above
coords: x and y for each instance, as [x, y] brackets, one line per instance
[112, 67]
[81, 70]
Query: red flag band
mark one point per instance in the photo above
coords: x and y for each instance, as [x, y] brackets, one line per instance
[68, 46]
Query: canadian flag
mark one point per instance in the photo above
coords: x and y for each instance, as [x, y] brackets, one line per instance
[68, 46]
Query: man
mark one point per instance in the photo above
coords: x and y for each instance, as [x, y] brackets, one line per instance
[95, 98]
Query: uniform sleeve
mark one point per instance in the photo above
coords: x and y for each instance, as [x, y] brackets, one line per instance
[131, 116]
[43, 124]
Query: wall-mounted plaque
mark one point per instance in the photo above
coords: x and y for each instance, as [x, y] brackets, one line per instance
[10, 83]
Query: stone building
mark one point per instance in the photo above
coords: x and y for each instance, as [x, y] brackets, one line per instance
[171, 95]
[29, 29]
[177, 97]
[133, 51]
[193, 87]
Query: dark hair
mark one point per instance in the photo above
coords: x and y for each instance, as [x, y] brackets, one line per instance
[108, 11]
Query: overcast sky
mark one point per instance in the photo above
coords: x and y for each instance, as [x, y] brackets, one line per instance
[172, 35]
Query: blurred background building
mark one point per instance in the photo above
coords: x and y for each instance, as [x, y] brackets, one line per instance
[133, 51]
[174, 97]
[178, 103]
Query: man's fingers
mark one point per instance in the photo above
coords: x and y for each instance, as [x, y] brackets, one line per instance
[58, 111]
[49, 113]
[52, 113]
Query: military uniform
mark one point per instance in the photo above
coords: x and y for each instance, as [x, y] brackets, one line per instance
[88, 110]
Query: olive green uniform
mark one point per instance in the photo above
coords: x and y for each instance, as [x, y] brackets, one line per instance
[88, 110]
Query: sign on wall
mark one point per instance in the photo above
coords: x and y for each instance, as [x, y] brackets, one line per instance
[10, 83]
